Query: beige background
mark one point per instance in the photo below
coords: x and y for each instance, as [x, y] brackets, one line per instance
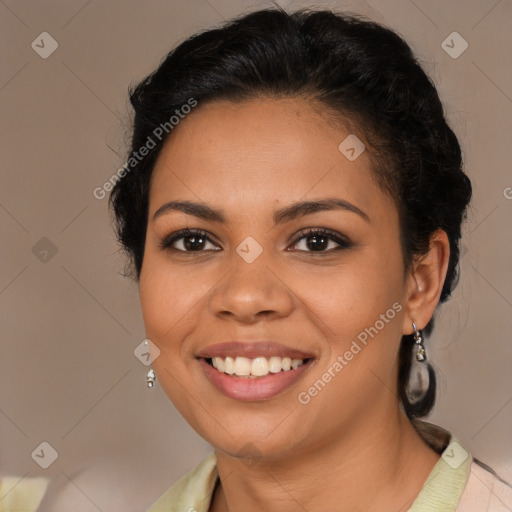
[69, 325]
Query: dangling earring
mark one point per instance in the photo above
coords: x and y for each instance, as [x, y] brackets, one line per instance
[418, 339]
[151, 378]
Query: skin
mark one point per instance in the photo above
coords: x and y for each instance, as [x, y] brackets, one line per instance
[350, 448]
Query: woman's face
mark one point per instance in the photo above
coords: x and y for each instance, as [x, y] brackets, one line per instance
[335, 300]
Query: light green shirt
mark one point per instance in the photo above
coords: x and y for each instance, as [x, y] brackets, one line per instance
[456, 484]
[193, 493]
[21, 494]
[441, 492]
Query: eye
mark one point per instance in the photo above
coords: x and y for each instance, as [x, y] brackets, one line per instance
[317, 240]
[196, 240]
[191, 240]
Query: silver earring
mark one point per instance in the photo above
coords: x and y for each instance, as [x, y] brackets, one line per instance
[151, 378]
[418, 339]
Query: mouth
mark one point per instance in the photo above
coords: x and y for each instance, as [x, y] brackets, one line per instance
[252, 371]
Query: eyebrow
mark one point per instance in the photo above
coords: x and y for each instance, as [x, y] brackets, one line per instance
[281, 216]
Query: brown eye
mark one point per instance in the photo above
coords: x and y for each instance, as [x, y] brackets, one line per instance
[318, 240]
[191, 240]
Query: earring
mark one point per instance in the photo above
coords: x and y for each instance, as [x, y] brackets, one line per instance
[418, 339]
[151, 378]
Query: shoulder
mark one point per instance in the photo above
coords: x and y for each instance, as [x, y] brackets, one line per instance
[485, 491]
[193, 491]
[21, 494]
[459, 482]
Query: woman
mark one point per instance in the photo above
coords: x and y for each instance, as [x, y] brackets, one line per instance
[292, 208]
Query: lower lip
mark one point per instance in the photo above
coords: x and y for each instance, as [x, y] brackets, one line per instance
[261, 388]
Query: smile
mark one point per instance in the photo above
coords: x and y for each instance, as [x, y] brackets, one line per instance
[254, 368]
[243, 385]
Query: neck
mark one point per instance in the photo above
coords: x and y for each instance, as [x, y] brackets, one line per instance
[366, 468]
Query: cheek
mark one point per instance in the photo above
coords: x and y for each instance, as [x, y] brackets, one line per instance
[362, 306]
[165, 301]
[153, 299]
[161, 298]
[352, 297]
[358, 309]
[171, 298]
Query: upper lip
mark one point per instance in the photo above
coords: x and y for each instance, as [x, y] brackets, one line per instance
[252, 349]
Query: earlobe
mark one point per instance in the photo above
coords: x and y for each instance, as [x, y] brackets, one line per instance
[425, 282]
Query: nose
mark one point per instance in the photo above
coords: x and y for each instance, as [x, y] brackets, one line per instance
[251, 292]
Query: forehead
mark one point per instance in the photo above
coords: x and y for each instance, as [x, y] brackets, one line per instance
[260, 152]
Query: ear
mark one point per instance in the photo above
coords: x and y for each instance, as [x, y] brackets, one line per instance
[425, 281]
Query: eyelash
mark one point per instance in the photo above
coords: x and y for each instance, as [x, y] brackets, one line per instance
[344, 243]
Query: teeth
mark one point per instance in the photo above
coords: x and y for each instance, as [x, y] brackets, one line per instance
[218, 362]
[242, 366]
[296, 363]
[257, 367]
[229, 365]
[275, 364]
